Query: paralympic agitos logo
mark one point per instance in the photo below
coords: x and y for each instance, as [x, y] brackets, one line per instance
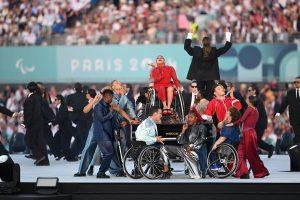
[23, 68]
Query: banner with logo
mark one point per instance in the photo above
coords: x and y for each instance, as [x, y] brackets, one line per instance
[128, 63]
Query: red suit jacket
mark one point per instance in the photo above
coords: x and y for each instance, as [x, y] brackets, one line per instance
[221, 106]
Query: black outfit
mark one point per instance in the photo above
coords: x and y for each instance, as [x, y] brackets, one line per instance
[294, 110]
[204, 70]
[78, 101]
[48, 116]
[65, 131]
[33, 120]
[187, 98]
[261, 126]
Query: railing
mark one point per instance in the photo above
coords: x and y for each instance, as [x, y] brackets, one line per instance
[165, 38]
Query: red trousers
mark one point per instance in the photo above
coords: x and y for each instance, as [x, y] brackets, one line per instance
[161, 92]
[248, 150]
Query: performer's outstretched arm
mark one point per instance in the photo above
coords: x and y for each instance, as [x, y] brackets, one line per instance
[227, 46]
[187, 44]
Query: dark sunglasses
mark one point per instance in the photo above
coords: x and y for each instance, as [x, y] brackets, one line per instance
[250, 90]
[192, 86]
[296, 82]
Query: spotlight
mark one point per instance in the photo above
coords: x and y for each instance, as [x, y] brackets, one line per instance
[9, 175]
[46, 185]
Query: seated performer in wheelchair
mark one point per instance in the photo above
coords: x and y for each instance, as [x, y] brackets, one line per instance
[165, 80]
[147, 132]
[191, 138]
[229, 134]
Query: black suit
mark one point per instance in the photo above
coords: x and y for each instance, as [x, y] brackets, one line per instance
[65, 130]
[78, 101]
[48, 116]
[204, 70]
[33, 120]
[187, 98]
[261, 126]
[294, 112]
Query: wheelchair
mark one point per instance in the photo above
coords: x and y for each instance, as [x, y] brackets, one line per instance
[225, 157]
[177, 105]
[143, 160]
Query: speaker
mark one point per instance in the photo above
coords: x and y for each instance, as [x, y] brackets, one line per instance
[294, 153]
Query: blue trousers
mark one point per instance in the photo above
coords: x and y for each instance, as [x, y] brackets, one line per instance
[91, 151]
[202, 154]
[88, 152]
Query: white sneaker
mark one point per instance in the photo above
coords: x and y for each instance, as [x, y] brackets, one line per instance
[3, 158]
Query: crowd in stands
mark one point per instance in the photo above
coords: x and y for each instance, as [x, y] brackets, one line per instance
[82, 22]
[278, 132]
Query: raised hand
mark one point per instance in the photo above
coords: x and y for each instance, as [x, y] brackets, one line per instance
[151, 64]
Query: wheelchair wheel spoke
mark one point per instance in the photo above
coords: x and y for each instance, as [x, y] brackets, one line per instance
[147, 168]
[227, 170]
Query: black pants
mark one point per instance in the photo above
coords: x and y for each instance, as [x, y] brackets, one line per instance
[81, 132]
[205, 87]
[262, 144]
[296, 129]
[63, 138]
[50, 140]
[35, 140]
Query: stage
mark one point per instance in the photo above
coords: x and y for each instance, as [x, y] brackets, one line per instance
[280, 184]
[278, 166]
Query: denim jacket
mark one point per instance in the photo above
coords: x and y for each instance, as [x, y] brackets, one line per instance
[125, 104]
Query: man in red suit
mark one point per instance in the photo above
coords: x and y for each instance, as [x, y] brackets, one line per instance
[165, 80]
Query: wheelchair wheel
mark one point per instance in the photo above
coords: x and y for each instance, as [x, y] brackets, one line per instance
[223, 161]
[130, 162]
[150, 163]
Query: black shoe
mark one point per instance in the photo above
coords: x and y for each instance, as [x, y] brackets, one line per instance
[44, 161]
[102, 175]
[90, 172]
[30, 156]
[71, 159]
[203, 175]
[270, 152]
[121, 174]
[245, 176]
[40, 160]
[79, 174]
